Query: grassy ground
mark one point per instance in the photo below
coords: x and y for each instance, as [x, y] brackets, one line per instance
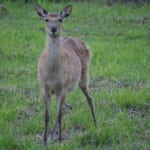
[119, 39]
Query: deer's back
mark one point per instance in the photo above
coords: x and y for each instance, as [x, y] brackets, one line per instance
[79, 48]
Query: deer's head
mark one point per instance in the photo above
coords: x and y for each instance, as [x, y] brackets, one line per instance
[53, 20]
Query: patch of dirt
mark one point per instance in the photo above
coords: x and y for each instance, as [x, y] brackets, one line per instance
[139, 20]
[32, 110]
[97, 84]
[134, 111]
[3, 10]
[27, 92]
[66, 136]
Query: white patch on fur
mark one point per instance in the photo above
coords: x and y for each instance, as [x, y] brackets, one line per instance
[53, 52]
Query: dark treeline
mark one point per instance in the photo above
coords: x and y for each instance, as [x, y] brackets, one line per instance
[108, 2]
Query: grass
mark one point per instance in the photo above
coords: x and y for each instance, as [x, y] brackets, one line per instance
[118, 37]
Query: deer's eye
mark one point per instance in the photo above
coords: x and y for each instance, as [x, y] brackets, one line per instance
[46, 20]
[60, 20]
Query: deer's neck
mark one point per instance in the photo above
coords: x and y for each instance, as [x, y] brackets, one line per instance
[53, 47]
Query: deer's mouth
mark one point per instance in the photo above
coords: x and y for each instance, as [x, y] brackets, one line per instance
[54, 34]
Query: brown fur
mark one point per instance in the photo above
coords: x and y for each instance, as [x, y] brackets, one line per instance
[63, 65]
[53, 15]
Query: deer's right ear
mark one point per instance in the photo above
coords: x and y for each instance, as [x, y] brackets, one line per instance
[40, 11]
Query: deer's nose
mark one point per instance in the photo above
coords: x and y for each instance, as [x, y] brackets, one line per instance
[53, 29]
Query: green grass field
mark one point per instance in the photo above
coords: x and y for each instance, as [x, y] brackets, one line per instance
[119, 40]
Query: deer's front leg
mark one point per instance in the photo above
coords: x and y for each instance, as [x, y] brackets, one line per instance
[61, 102]
[46, 98]
[59, 115]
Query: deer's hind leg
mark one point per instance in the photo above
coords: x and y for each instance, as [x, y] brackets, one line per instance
[84, 86]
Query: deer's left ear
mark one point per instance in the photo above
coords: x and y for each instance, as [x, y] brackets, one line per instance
[40, 11]
[66, 11]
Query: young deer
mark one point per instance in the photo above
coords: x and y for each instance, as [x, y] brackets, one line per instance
[63, 65]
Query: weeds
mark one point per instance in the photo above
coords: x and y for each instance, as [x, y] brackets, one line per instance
[118, 38]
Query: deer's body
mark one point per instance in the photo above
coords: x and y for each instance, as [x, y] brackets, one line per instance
[63, 65]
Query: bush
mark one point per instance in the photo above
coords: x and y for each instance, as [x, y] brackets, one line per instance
[102, 2]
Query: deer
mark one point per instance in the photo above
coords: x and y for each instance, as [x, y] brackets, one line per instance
[63, 65]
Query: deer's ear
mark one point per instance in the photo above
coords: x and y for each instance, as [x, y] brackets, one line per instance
[66, 11]
[40, 11]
